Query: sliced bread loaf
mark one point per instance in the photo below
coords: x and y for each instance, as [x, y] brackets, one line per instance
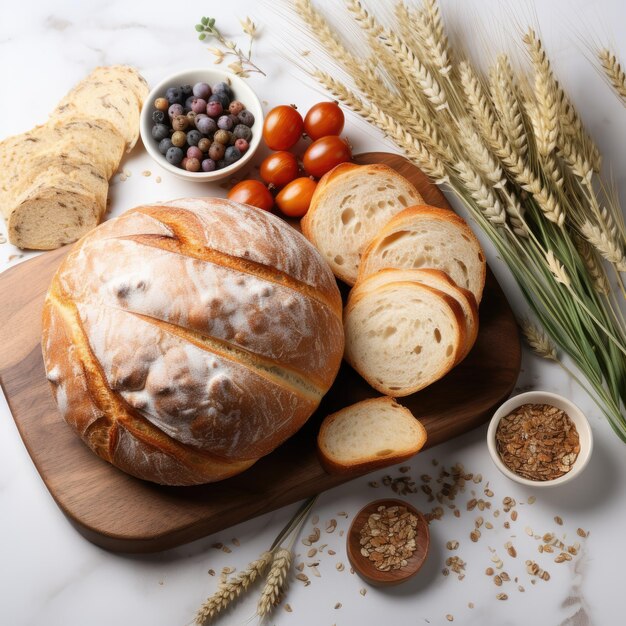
[428, 237]
[349, 207]
[369, 434]
[401, 335]
[441, 281]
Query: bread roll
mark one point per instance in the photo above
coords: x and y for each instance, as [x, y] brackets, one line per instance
[349, 207]
[186, 340]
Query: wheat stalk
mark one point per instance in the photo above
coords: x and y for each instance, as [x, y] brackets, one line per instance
[547, 118]
[230, 590]
[538, 340]
[275, 582]
[614, 72]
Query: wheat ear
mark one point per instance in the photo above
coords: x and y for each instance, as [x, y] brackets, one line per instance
[547, 119]
[413, 148]
[230, 590]
[605, 239]
[538, 340]
[275, 582]
[557, 269]
[408, 61]
[481, 111]
[593, 266]
[614, 72]
[481, 194]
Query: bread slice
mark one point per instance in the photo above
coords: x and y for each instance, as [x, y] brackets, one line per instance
[441, 281]
[428, 237]
[369, 434]
[349, 207]
[401, 336]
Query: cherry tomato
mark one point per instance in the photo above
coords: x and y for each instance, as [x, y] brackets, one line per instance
[295, 198]
[282, 128]
[279, 168]
[324, 118]
[324, 154]
[252, 192]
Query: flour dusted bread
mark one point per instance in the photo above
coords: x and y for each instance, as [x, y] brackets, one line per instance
[441, 281]
[183, 341]
[428, 237]
[369, 434]
[54, 178]
[349, 207]
[402, 335]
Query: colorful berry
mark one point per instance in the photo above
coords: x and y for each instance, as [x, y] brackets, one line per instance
[191, 118]
[246, 118]
[220, 97]
[242, 145]
[179, 139]
[192, 165]
[180, 122]
[206, 125]
[174, 95]
[222, 136]
[241, 131]
[204, 144]
[193, 137]
[225, 123]
[189, 102]
[198, 105]
[231, 155]
[223, 88]
[216, 151]
[160, 131]
[201, 90]
[193, 152]
[214, 109]
[208, 165]
[186, 91]
[165, 145]
[161, 104]
[159, 117]
[174, 110]
[236, 107]
[174, 155]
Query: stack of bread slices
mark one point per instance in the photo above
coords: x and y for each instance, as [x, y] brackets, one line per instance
[54, 178]
[417, 274]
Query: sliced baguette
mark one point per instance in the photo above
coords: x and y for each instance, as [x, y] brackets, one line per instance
[369, 434]
[428, 237]
[350, 205]
[401, 336]
[441, 281]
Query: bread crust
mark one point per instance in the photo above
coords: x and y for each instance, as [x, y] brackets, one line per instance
[365, 464]
[362, 291]
[182, 364]
[397, 222]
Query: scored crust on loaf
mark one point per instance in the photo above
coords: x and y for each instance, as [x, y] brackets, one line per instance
[441, 281]
[428, 237]
[402, 336]
[350, 205]
[369, 434]
[205, 360]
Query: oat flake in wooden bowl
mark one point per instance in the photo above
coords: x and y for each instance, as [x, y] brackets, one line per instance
[539, 439]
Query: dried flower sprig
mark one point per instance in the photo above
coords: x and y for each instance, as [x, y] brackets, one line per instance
[514, 150]
[243, 66]
[277, 559]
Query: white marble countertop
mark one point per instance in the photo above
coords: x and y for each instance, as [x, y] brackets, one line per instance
[51, 575]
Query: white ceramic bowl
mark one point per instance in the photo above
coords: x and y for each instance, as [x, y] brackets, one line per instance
[242, 92]
[543, 397]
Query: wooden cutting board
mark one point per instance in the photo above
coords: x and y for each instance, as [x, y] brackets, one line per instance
[122, 513]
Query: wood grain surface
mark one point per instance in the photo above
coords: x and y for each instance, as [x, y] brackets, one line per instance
[122, 513]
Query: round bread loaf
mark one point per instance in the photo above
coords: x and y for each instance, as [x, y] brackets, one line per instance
[186, 340]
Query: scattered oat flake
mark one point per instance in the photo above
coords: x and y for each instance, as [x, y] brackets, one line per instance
[331, 552]
[363, 591]
[489, 571]
[340, 567]
[470, 605]
[235, 541]
[123, 177]
[449, 617]
[146, 173]
[404, 469]
[338, 605]
[302, 577]
[127, 173]
[311, 553]
[342, 514]
[288, 608]
[502, 596]
[218, 546]
[341, 532]
[226, 549]
[558, 520]
[529, 531]
[532, 500]
[582, 533]
[211, 572]
[158, 179]
[315, 519]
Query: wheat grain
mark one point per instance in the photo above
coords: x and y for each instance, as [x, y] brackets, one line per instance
[547, 118]
[575, 158]
[605, 240]
[229, 591]
[479, 154]
[275, 582]
[557, 269]
[614, 72]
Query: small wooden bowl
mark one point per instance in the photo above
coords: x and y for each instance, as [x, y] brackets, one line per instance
[365, 568]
